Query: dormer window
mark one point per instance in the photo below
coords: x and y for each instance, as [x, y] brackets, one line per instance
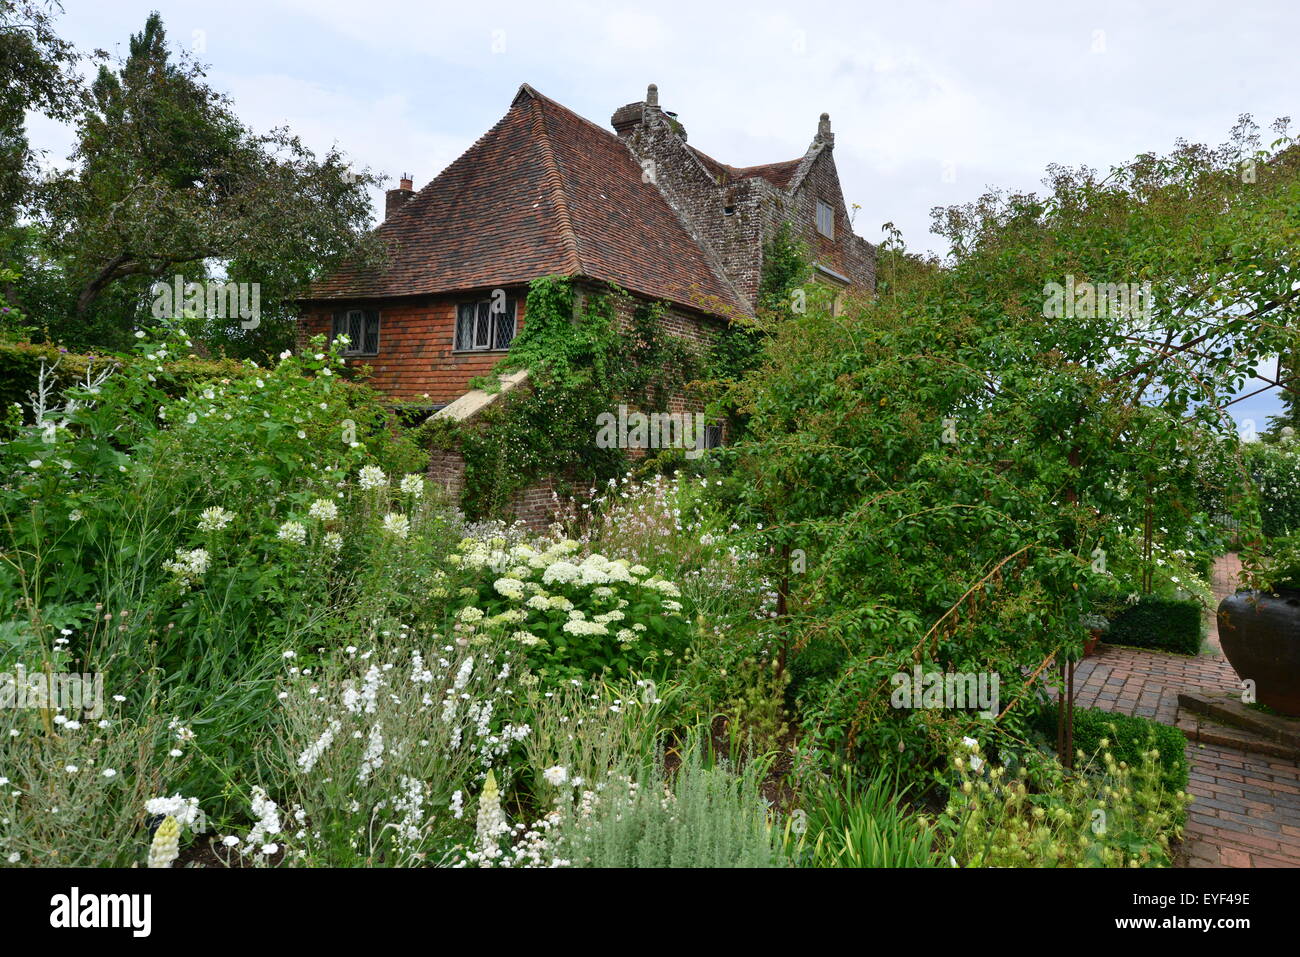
[825, 220]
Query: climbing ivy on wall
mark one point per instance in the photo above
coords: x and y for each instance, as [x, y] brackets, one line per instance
[580, 363]
[737, 348]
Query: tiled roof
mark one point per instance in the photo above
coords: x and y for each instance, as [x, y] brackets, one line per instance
[778, 174]
[543, 192]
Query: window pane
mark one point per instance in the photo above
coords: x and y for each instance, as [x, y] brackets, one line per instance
[483, 327]
[356, 330]
[465, 327]
[504, 327]
[372, 332]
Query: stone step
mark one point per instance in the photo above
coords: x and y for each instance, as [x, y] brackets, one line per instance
[1222, 719]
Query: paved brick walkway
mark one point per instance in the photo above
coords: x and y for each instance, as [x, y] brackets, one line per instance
[1247, 807]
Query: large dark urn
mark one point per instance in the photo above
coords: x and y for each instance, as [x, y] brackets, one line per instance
[1260, 634]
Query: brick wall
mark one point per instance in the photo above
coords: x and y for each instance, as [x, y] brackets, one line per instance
[848, 254]
[734, 219]
[416, 338]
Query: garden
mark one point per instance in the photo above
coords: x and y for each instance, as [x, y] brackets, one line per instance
[240, 627]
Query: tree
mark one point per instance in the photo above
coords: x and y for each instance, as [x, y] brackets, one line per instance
[36, 74]
[957, 458]
[167, 181]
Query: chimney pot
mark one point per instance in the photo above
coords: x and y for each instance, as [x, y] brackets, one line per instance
[395, 199]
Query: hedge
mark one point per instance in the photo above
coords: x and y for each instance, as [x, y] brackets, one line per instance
[1164, 624]
[20, 366]
[1129, 736]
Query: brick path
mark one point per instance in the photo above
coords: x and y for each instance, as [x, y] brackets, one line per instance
[1247, 807]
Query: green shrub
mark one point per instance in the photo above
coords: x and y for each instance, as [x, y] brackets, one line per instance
[1106, 812]
[1275, 470]
[1164, 624]
[701, 815]
[1128, 737]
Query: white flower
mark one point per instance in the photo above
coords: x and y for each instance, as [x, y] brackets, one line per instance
[332, 541]
[556, 775]
[166, 844]
[372, 476]
[214, 519]
[324, 509]
[397, 525]
[293, 532]
[185, 810]
[109, 773]
[413, 485]
[15, 857]
[511, 588]
[562, 572]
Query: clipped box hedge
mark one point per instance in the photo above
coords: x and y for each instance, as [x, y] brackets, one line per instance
[1163, 624]
[1129, 736]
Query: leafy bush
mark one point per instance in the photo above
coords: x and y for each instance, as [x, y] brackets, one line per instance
[699, 814]
[1275, 469]
[1107, 813]
[1127, 737]
[1164, 624]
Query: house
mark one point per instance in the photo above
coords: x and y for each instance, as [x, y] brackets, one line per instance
[546, 192]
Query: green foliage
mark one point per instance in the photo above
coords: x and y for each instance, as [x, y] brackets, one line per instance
[1275, 470]
[21, 364]
[697, 815]
[1164, 624]
[951, 457]
[580, 364]
[38, 70]
[140, 204]
[1126, 737]
[1108, 812]
[864, 823]
[103, 507]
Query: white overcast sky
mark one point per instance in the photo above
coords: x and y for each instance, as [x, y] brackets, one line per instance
[930, 102]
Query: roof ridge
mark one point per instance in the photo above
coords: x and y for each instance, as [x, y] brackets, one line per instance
[568, 235]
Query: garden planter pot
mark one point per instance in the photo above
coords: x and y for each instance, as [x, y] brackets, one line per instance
[1090, 643]
[1260, 635]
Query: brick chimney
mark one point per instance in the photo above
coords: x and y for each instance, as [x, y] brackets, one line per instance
[395, 199]
[626, 119]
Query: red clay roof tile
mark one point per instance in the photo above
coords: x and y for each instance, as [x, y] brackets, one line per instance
[543, 192]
